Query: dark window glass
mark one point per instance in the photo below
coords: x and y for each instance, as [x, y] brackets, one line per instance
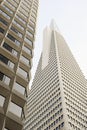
[3, 21]
[2, 30]
[11, 37]
[7, 47]
[1, 76]
[4, 59]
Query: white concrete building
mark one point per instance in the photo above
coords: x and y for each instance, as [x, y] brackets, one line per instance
[58, 97]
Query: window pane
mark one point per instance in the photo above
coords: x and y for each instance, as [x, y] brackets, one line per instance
[25, 60]
[27, 50]
[19, 88]
[2, 100]
[22, 72]
[10, 49]
[28, 41]
[15, 109]
[6, 61]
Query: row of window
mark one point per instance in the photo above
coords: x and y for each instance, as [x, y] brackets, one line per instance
[17, 86]
[75, 87]
[47, 119]
[75, 114]
[75, 127]
[76, 101]
[10, 64]
[52, 124]
[51, 94]
[5, 14]
[71, 83]
[43, 112]
[77, 98]
[13, 6]
[45, 108]
[72, 75]
[76, 108]
[76, 121]
[44, 87]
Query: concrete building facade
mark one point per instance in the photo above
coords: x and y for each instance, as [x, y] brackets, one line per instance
[58, 96]
[17, 34]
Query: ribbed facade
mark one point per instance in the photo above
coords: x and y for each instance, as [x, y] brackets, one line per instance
[58, 97]
[17, 34]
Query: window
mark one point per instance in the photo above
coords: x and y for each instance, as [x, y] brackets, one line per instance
[30, 27]
[6, 61]
[15, 109]
[2, 30]
[27, 50]
[10, 4]
[17, 32]
[1, 76]
[10, 49]
[25, 60]
[2, 100]
[20, 19]
[4, 78]
[28, 41]
[7, 9]
[3, 21]
[30, 34]
[22, 72]
[17, 24]
[13, 39]
[18, 87]
[32, 22]
[4, 14]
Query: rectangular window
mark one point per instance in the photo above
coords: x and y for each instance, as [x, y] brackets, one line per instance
[4, 14]
[15, 109]
[13, 39]
[6, 61]
[27, 50]
[17, 32]
[30, 34]
[28, 41]
[3, 21]
[10, 49]
[20, 19]
[22, 72]
[17, 24]
[2, 100]
[5, 7]
[33, 18]
[32, 22]
[4, 78]
[24, 59]
[11, 5]
[30, 27]
[18, 87]
[2, 30]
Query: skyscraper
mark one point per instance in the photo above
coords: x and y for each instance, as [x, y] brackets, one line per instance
[17, 34]
[58, 96]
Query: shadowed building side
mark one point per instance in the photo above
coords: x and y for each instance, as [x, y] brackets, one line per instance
[17, 35]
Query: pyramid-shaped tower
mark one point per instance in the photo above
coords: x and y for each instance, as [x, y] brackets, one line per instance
[58, 97]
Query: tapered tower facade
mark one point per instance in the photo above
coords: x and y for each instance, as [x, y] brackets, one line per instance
[17, 34]
[58, 96]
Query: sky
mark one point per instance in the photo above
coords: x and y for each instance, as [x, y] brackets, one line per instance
[71, 19]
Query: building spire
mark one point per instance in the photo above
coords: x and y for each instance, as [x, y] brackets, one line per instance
[53, 26]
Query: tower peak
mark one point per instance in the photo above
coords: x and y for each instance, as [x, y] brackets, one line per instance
[54, 26]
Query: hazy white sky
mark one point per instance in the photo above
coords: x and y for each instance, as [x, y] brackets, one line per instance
[71, 18]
